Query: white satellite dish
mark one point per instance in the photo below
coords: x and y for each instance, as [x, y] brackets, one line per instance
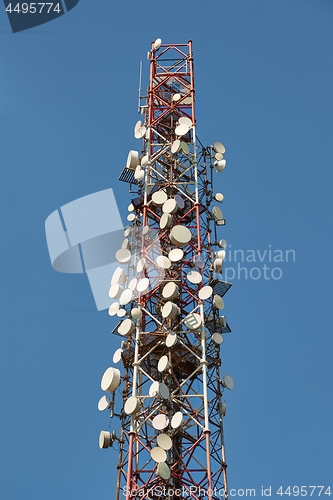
[223, 244]
[140, 132]
[219, 197]
[219, 148]
[153, 389]
[218, 266]
[118, 276]
[157, 43]
[145, 230]
[110, 380]
[144, 161]
[126, 327]
[171, 339]
[228, 382]
[132, 160]
[131, 217]
[182, 129]
[132, 284]
[219, 156]
[205, 292]
[180, 235]
[139, 173]
[198, 261]
[126, 297]
[217, 338]
[159, 197]
[130, 207]
[132, 405]
[163, 391]
[193, 321]
[170, 291]
[170, 310]
[184, 120]
[163, 262]
[113, 309]
[136, 313]
[123, 255]
[103, 403]
[160, 422]
[115, 291]
[158, 454]
[117, 355]
[165, 221]
[176, 97]
[163, 364]
[125, 244]
[218, 302]
[105, 439]
[177, 420]
[180, 201]
[163, 471]
[170, 206]
[141, 265]
[121, 313]
[220, 165]
[175, 146]
[127, 231]
[137, 125]
[164, 441]
[194, 277]
[176, 254]
[217, 213]
[184, 147]
[142, 285]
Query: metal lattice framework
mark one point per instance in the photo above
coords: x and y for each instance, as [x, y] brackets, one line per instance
[173, 330]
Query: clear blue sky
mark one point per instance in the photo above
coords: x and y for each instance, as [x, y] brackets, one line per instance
[68, 98]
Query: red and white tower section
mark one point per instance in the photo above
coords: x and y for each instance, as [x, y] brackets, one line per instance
[168, 293]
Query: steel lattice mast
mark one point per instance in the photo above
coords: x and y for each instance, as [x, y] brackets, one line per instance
[170, 288]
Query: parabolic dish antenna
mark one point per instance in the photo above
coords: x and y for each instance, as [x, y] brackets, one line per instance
[228, 382]
[176, 254]
[175, 146]
[132, 160]
[163, 391]
[170, 310]
[115, 291]
[103, 403]
[218, 302]
[164, 441]
[132, 284]
[144, 161]
[157, 43]
[163, 364]
[223, 244]
[165, 221]
[220, 165]
[163, 262]
[170, 291]
[158, 454]
[159, 197]
[126, 327]
[180, 235]
[177, 420]
[219, 156]
[170, 206]
[140, 132]
[142, 285]
[163, 470]
[160, 422]
[110, 380]
[141, 265]
[153, 389]
[219, 148]
[126, 297]
[219, 197]
[217, 338]
[180, 201]
[136, 313]
[139, 173]
[137, 125]
[117, 355]
[121, 313]
[194, 277]
[118, 276]
[113, 309]
[176, 97]
[105, 439]
[205, 292]
[132, 406]
[171, 339]
[131, 217]
[123, 255]
[185, 147]
[182, 129]
[184, 120]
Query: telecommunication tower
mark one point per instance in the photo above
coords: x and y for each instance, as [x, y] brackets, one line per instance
[168, 296]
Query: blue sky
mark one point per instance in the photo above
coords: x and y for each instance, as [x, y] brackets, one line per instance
[68, 105]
